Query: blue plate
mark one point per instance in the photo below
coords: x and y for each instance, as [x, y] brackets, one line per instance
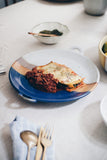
[25, 63]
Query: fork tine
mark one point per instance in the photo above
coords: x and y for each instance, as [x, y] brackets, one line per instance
[44, 131]
[47, 132]
[51, 135]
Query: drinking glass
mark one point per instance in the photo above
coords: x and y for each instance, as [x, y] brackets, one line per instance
[2, 59]
[95, 7]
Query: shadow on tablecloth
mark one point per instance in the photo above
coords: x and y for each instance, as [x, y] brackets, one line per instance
[6, 142]
[92, 125]
[13, 101]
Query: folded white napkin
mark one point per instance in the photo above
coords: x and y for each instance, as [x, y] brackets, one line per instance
[19, 147]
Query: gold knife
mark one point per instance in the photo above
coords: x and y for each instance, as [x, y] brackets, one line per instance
[39, 147]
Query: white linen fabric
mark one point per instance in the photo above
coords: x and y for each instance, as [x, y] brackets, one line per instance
[19, 147]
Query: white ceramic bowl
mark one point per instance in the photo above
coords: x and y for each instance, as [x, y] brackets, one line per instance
[103, 109]
[50, 26]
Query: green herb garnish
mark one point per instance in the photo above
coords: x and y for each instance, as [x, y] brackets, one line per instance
[55, 31]
[104, 48]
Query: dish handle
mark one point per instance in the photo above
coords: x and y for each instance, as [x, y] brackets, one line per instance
[27, 98]
[77, 50]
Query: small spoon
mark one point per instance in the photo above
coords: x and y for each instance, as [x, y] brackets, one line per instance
[42, 34]
[30, 139]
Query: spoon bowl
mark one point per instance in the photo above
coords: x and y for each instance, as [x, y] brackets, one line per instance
[31, 140]
[29, 137]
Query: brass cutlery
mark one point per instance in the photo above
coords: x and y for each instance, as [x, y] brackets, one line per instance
[38, 151]
[46, 139]
[30, 139]
[42, 34]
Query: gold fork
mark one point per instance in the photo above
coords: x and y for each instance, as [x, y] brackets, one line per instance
[46, 139]
[39, 147]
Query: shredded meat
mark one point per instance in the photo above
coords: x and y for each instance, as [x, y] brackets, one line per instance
[44, 82]
[47, 82]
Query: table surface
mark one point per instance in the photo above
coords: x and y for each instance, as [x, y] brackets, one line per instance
[80, 133]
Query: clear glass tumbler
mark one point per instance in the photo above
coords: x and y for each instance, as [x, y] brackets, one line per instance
[2, 59]
[95, 7]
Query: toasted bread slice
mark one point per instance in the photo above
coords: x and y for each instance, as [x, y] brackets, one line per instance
[63, 74]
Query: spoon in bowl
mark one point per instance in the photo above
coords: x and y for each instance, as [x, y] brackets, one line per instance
[30, 139]
[42, 34]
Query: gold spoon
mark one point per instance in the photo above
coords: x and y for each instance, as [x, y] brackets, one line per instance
[30, 139]
[43, 34]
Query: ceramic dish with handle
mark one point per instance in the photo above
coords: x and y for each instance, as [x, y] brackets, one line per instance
[50, 26]
[78, 63]
[103, 109]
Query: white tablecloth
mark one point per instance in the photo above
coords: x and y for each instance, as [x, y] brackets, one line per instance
[80, 133]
